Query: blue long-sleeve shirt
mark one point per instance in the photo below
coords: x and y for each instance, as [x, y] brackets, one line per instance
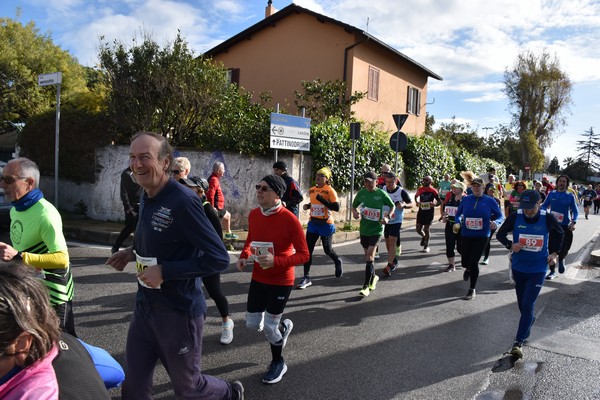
[174, 228]
[562, 205]
[475, 214]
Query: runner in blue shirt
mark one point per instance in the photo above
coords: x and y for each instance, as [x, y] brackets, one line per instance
[563, 205]
[476, 216]
[537, 239]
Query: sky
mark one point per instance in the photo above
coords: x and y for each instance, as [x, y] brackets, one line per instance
[470, 43]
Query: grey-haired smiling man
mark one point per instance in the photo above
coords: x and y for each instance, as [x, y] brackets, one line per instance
[174, 247]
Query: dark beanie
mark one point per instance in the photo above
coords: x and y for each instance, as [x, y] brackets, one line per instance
[276, 183]
[280, 165]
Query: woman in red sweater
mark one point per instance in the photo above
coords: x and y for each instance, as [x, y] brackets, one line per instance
[275, 244]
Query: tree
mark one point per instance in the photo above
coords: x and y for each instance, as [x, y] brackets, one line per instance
[322, 100]
[554, 166]
[187, 99]
[25, 53]
[568, 161]
[540, 94]
[589, 150]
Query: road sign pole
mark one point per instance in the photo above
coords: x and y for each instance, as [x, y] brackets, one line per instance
[56, 150]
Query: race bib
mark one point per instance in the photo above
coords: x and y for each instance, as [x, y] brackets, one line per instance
[317, 210]
[260, 248]
[532, 243]
[371, 214]
[141, 263]
[426, 205]
[443, 192]
[451, 211]
[559, 216]
[474, 224]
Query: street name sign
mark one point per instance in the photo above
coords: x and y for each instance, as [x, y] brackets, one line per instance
[54, 78]
[290, 132]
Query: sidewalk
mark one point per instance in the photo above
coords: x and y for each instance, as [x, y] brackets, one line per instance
[76, 227]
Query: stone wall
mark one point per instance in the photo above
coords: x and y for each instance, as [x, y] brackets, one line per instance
[241, 175]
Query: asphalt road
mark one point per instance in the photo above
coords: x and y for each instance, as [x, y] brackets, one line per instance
[413, 338]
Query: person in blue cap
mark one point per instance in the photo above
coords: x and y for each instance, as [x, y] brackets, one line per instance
[532, 248]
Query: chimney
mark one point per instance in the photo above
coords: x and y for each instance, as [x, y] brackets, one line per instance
[270, 10]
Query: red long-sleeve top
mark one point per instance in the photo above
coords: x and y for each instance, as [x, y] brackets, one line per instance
[289, 244]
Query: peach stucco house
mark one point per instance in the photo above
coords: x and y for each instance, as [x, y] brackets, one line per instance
[295, 44]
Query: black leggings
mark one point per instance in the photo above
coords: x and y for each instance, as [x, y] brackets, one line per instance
[472, 248]
[566, 246]
[488, 246]
[311, 240]
[452, 241]
[212, 284]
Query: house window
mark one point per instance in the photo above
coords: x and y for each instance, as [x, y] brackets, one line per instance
[373, 89]
[413, 104]
[233, 76]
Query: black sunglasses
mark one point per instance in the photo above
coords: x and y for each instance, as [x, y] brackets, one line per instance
[9, 180]
[264, 188]
[175, 171]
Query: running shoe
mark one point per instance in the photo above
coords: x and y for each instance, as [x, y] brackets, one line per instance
[288, 325]
[387, 271]
[364, 292]
[304, 283]
[551, 275]
[237, 390]
[376, 256]
[561, 266]
[485, 261]
[276, 371]
[339, 271]
[466, 274]
[449, 268]
[231, 235]
[373, 283]
[227, 332]
[394, 265]
[470, 295]
[517, 350]
[426, 249]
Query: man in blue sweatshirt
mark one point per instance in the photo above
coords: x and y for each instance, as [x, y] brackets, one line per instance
[562, 204]
[174, 247]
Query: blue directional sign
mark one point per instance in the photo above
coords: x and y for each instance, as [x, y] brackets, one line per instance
[290, 132]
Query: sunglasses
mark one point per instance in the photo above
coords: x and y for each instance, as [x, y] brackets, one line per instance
[264, 188]
[175, 171]
[9, 180]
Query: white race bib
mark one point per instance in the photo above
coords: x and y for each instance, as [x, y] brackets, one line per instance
[532, 243]
[371, 214]
[141, 263]
[317, 210]
[451, 210]
[474, 224]
[559, 216]
[260, 248]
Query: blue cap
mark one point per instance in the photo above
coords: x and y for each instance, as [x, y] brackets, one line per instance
[528, 199]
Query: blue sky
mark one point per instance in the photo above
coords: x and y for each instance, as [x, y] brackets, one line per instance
[470, 43]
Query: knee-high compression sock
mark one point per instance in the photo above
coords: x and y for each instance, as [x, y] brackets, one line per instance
[369, 272]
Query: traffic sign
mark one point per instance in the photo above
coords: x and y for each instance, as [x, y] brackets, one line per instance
[290, 132]
[399, 120]
[54, 78]
[400, 140]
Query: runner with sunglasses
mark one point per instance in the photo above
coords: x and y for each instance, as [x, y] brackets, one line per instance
[274, 245]
[323, 200]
